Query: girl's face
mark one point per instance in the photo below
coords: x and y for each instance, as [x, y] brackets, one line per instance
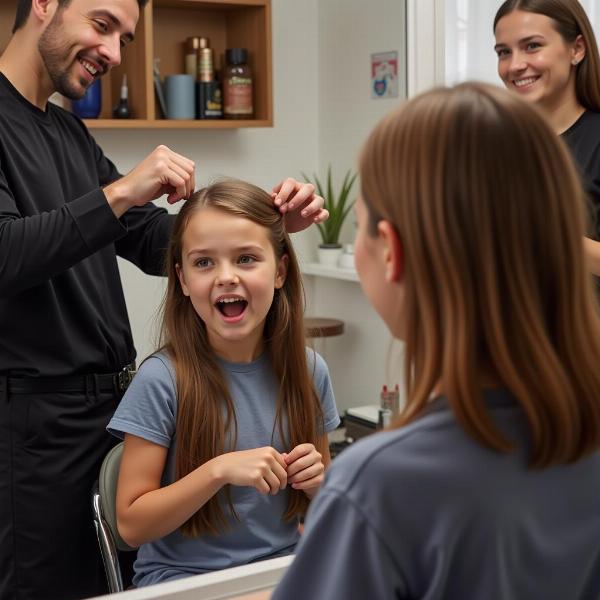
[534, 60]
[230, 273]
[378, 263]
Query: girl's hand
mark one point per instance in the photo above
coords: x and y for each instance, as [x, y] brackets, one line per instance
[301, 206]
[261, 468]
[305, 468]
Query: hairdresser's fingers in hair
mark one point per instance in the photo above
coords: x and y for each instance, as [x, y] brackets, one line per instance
[304, 194]
[154, 176]
[193, 183]
[187, 163]
[276, 189]
[180, 174]
[310, 203]
[321, 216]
[184, 163]
[186, 176]
[181, 180]
[285, 190]
[178, 188]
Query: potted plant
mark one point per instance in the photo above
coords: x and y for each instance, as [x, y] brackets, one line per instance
[338, 205]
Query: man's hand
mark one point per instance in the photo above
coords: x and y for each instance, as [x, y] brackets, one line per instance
[161, 172]
[301, 206]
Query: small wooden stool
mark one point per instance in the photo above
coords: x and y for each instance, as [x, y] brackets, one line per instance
[319, 327]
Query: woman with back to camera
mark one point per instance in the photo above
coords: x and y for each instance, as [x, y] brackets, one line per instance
[547, 53]
[488, 484]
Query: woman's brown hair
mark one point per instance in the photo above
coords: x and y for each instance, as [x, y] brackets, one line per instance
[570, 21]
[490, 212]
[202, 394]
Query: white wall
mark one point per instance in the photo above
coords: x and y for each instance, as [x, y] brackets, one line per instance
[323, 110]
[349, 32]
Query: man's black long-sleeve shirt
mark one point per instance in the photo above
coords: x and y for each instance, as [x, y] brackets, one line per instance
[62, 308]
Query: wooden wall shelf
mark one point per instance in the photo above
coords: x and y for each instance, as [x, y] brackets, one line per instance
[173, 124]
[161, 32]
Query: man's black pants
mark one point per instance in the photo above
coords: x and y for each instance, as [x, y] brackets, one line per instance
[51, 448]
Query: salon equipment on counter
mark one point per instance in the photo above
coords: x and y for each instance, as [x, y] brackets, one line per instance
[338, 440]
[361, 420]
[390, 399]
[336, 447]
[364, 420]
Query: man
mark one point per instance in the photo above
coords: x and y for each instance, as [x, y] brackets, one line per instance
[65, 340]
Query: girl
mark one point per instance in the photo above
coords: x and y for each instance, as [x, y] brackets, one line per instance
[226, 426]
[488, 484]
[547, 53]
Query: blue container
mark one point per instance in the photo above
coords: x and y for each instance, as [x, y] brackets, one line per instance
[90, 105]
[181, 97]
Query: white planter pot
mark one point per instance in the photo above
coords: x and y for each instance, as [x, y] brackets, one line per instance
[346, 261]
[329, 255]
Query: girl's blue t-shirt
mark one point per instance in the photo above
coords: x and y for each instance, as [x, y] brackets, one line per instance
[148, 410]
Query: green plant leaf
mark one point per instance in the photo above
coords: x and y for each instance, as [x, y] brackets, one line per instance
[338, 204]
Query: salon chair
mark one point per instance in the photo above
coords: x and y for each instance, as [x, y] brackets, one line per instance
[104, 497]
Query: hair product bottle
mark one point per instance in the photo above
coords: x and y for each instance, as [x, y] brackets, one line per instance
[121, 110]
[209, 99]
[192, 44]
[90, 105]
[204, 67]
[237, 85]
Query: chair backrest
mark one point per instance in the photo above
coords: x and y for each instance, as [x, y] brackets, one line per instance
[107, 486]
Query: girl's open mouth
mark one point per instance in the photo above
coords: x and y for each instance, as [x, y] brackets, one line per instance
[231, 308]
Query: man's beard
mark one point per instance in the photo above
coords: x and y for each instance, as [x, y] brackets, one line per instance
[54, 53]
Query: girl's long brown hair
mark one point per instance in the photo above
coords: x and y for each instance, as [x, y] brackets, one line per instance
[202, 393]
[570, 21]
[490, 212]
